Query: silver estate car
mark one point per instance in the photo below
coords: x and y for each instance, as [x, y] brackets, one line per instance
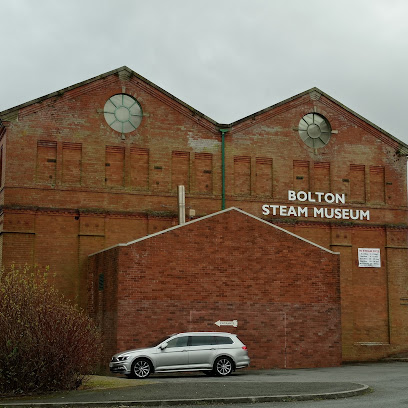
[211, 352]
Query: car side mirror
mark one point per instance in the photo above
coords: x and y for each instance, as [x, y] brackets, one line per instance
[163, 345]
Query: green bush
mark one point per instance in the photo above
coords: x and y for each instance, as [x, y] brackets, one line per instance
[46, 343]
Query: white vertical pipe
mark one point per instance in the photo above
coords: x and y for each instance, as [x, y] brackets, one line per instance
[181, 204]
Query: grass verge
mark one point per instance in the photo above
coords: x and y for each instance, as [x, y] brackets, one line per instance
[91, 383]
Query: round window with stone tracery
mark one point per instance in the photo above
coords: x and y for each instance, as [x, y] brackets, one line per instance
[123, 113]
[314, 130]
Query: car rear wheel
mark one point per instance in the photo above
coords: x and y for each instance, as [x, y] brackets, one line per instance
[141, 368]
[223, 366]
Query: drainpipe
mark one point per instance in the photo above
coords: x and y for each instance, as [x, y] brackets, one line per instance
[223, 132]
[181, 204]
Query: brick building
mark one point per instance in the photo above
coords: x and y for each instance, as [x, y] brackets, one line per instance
[98, 164]
[225, 266]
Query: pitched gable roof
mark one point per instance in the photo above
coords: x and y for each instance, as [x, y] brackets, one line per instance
[211, 216]
[126, 73]
[315, 94]
[122, 72]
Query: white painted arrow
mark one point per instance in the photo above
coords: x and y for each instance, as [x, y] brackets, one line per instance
[227, 323]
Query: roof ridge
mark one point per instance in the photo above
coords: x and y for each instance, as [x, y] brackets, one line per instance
[210, 216]
[11, 111]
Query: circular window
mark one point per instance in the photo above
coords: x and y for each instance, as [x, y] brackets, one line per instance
[123, 113]
[314, 130]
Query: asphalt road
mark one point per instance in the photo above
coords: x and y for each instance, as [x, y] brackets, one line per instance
[389, 382]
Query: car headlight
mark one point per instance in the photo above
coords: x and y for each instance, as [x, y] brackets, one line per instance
[123, 358]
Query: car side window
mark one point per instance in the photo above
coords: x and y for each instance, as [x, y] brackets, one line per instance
[178, 342]
[223, 340]
[202, 340]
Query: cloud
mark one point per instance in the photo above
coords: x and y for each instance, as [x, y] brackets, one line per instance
[226, 58]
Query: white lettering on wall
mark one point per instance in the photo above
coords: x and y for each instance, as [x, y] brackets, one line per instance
[316, 212]
[318, 197]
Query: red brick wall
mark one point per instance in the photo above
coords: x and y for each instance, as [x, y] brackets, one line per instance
[284, 292]
[87, 205]
[102, 277]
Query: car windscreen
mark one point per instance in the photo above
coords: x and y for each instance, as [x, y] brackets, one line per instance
[156, 343]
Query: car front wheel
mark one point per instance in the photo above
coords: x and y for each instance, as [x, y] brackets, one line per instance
[223, 366]
[141, 368]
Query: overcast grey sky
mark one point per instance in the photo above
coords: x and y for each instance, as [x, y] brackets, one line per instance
[226, 58]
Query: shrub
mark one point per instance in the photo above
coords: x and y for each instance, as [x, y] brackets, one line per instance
[46, 343]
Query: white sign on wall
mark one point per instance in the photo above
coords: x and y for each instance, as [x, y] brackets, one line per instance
[227, 323]
[369, 258]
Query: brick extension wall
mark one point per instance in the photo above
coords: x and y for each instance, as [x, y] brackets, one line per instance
[284, 291]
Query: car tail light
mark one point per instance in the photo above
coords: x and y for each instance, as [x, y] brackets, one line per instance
[244, 348]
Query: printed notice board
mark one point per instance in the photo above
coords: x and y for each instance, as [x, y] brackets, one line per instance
[369, 258]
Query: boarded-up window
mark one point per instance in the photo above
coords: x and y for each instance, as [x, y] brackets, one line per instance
[1, 166]
[180, 166]
[203, 172]
[242, 175]
[377, 184]
[264, 177]
[139, 168]
[357, 182]
[71, 162]
[322, 177]
[114, 166]
[46, 161]
[301, 178]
